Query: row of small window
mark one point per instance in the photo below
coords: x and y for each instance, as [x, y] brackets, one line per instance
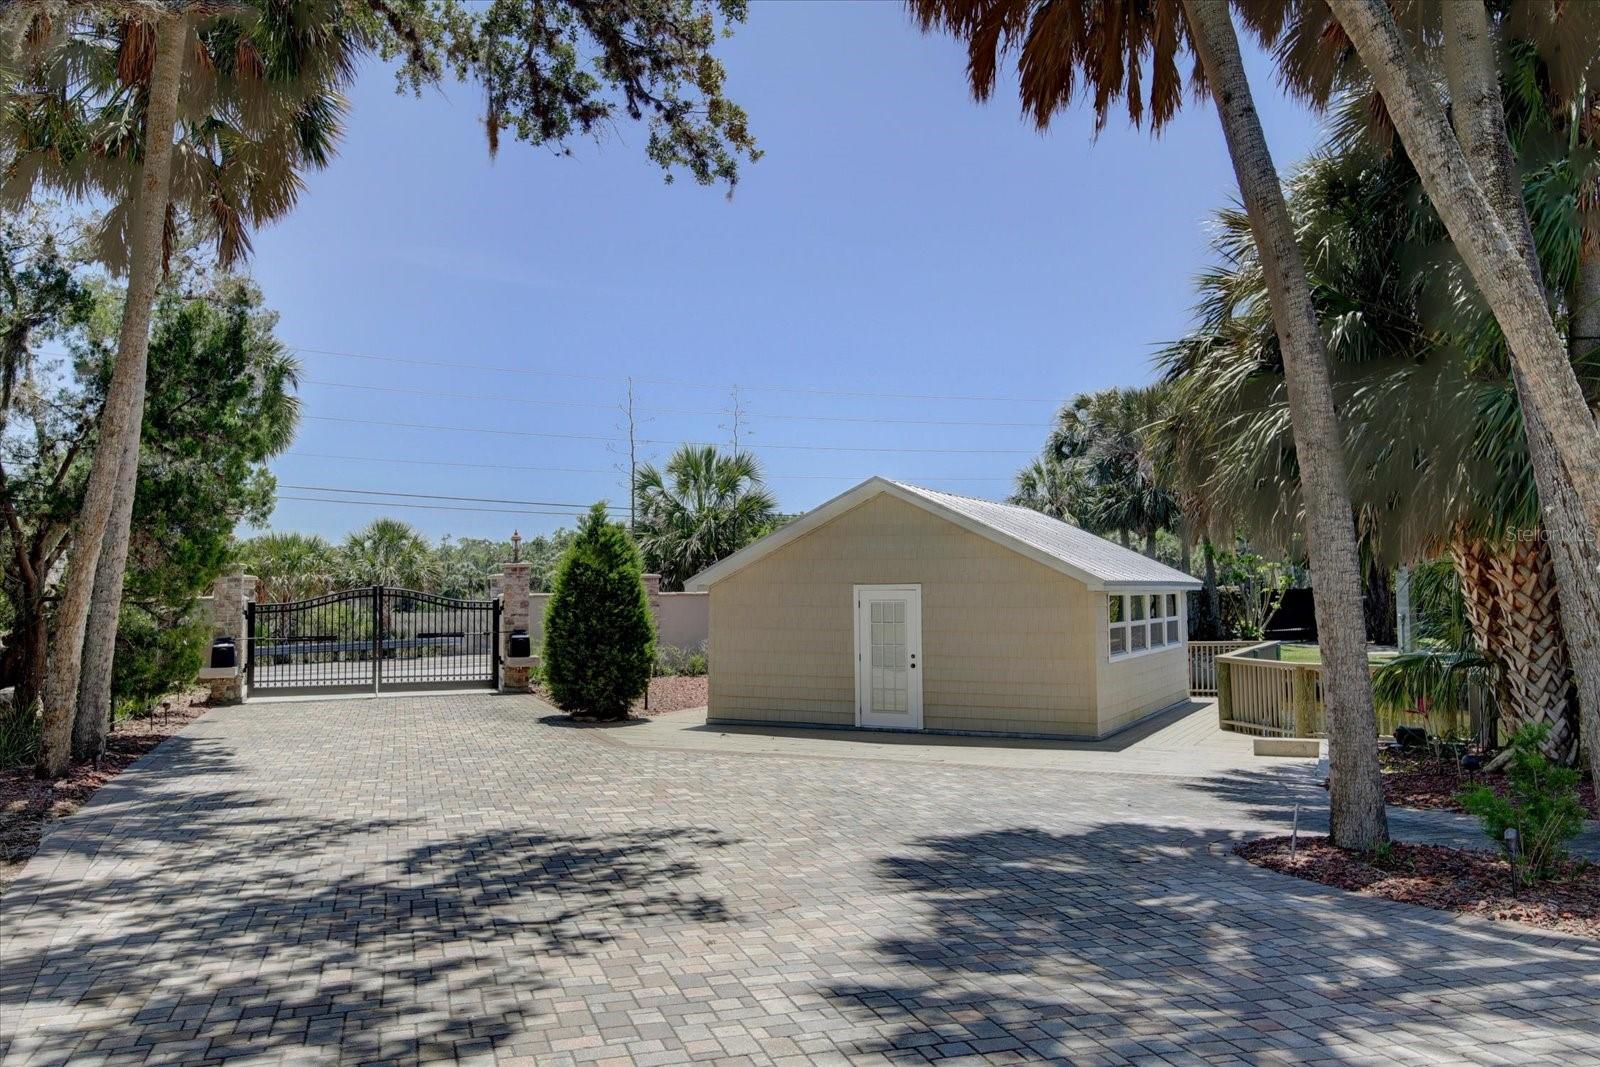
[1141, 622]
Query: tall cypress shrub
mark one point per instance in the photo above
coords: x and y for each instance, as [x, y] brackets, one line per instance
[599, 637]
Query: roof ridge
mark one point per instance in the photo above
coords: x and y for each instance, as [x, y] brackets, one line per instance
[1023, 509]
[1088, 557]
[975, 499]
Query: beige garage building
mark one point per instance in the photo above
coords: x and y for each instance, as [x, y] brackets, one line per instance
[897, 607]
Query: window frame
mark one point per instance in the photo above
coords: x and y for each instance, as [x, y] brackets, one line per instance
[1145, 612]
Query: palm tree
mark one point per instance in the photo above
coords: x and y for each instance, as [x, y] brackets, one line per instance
[704, 506]
[388, 552]
[95, 107]
[288, 566]
[1434, 435]
[199, 333]
[1110, 49]
[1107, 437]
[1049, 486]
[1466, 173]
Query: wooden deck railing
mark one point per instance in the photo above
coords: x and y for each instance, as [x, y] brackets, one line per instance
[1203, 663]
[1259, 693]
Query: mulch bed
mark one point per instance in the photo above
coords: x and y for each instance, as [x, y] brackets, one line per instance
[1450, 879]
[672, 693]
[28, 805]
[675, 694]
[1425, 781]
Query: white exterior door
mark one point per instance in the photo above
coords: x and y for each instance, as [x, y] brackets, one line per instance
[889, 656]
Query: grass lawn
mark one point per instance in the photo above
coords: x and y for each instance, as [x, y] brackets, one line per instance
[1302, 653]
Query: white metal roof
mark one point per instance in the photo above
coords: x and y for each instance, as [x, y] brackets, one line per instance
[1092, 560]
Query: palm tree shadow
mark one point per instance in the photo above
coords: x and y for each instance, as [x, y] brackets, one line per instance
[259, 931]
[1142, 941]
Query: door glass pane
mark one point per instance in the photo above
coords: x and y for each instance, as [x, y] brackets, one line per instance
[889, 657]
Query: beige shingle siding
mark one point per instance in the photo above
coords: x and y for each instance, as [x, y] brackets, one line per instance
[1133, 687]
[1004, 638]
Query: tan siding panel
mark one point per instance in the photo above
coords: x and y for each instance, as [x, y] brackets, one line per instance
[1134, 687]
[1006, 642]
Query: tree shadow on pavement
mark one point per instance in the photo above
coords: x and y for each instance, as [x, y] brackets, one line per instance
[1129, 940]
[218, 925]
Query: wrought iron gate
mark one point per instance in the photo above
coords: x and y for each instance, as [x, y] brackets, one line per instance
[374, 640]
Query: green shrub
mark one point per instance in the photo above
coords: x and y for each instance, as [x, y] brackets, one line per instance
[1543, 807]
[154, 657]
[599, 637]
[672, 661]
[19, 735]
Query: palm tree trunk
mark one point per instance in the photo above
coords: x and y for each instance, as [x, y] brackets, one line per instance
[1213, 594]
[1377, 604]
[1478, 113]
[31, 634]
[1583, 335]
[1532, 645]
[93, 719]
[1583, 303]
[1357, 814]
[1512, 608]
[1480, 597]
[1150, 543]
[123, 415]
[1563, 443]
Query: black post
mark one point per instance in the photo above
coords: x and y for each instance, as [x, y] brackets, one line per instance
[494, 645]
[377, 639]
[249, 645]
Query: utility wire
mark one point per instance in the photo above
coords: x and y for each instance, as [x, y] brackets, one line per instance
[452, 463]
[428, 507]
[437, 496]
[614, 440]
[766, 475]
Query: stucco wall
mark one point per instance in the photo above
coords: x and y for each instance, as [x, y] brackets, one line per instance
[683, 620]
[1008, 644]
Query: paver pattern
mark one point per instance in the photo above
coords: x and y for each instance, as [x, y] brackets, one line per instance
[451, 878]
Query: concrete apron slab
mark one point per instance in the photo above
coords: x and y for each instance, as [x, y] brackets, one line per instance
[1182, 744]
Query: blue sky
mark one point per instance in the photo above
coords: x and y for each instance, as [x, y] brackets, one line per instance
[906, 284]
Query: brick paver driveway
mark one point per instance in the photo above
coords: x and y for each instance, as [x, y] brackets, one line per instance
[447, 877]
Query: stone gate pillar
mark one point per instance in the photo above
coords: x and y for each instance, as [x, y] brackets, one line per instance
[514, 615]
[652, 591]
[229, 596]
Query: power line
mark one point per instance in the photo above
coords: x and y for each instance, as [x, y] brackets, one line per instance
[766, 475]
[614, 440]
[437, 496]
[743, 415]
[452, 463]
[428, 507]
[576, 375]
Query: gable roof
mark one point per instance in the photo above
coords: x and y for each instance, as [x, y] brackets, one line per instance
[1092, 560]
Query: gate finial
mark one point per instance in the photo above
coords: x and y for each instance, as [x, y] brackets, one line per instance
[516, 546]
